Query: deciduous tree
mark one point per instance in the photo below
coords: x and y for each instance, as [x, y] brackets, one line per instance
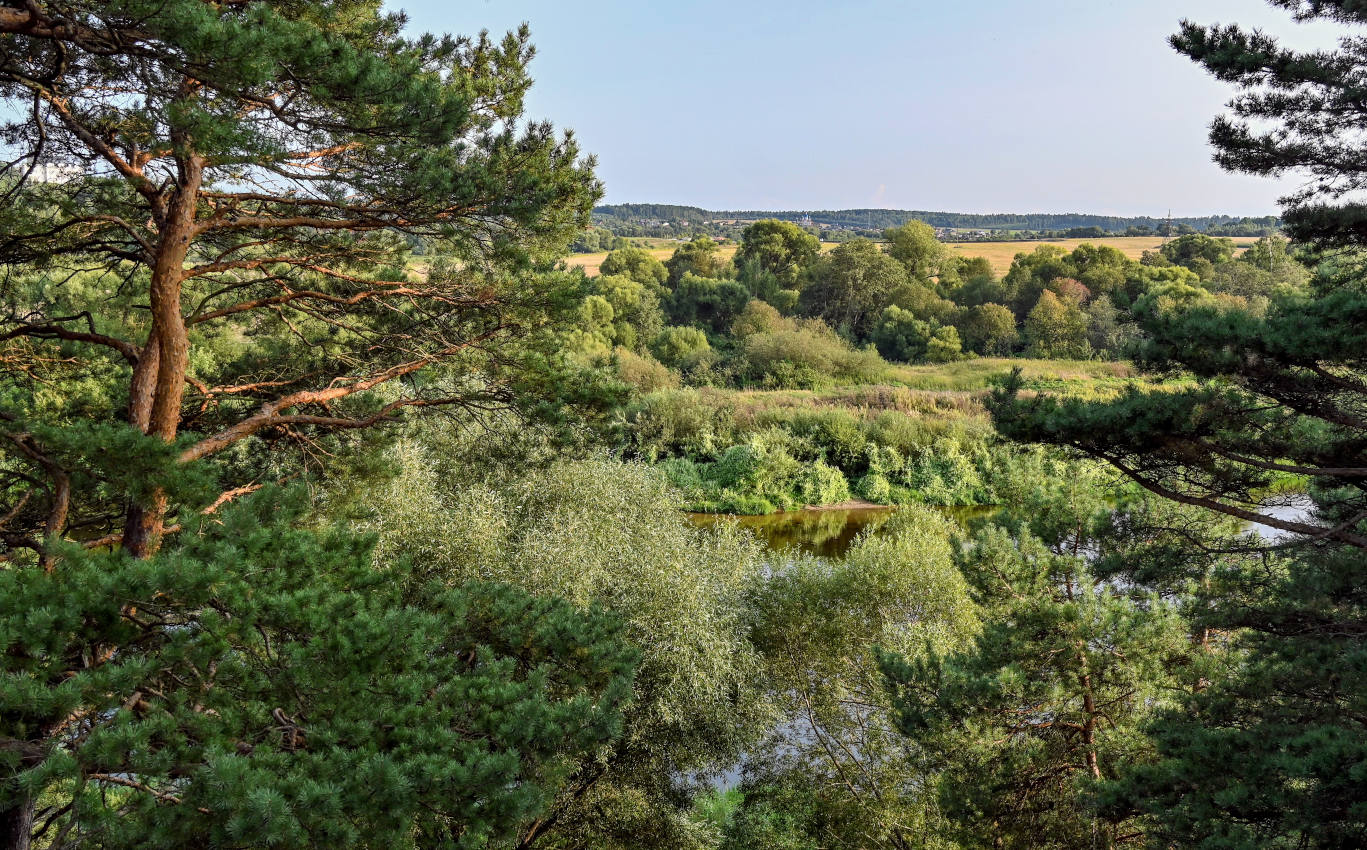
[700, 258]
[988, 329]
[637, 264]
[1056, 328]
[779, 248]
[851, 287]
[914, 246]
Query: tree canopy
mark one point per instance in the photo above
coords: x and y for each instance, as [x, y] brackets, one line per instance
[779, 248]
[914, 246]
[275, 687]
[1297, 112]
[850, 287]
[260, 188]
[1268, 753]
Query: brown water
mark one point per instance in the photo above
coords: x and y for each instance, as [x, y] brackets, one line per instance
[828, 534]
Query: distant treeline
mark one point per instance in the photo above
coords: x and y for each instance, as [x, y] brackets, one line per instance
[646, 215]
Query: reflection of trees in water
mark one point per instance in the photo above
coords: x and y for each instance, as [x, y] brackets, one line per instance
[823, 533]
[828, 534]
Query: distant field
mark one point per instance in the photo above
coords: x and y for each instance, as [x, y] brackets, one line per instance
[1000, 254]
[660, 249]
[590, 262]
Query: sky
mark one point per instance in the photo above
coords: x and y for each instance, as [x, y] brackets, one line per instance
[975, 106]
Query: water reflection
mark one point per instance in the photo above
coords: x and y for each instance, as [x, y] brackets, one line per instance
[827, 533]
[1293, 508]
[830, 533]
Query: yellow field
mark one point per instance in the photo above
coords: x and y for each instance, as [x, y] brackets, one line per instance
[1000, 254]
[660, 249]
[590, 262]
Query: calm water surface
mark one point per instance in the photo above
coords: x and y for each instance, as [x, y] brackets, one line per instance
[830, 533]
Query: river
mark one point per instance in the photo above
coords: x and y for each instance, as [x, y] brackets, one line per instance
[830, 533]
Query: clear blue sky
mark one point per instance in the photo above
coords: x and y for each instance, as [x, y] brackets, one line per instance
[979, 106]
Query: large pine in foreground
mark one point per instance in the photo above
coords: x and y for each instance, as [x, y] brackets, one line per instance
[213, 202]
[1274, 752]
[1297, 112]
[206, 211]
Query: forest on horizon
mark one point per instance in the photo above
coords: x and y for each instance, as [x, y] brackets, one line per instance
[614, 216]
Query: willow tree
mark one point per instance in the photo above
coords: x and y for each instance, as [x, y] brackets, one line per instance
[208, 207]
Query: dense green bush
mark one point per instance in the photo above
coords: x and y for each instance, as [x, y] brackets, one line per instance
[802, 356]
[709, 302]
[275, 687]
[681, 347]
[773, 470]
[676, 423]
[645, 374]
[609, 536]
[759, 317]
[782, 458]
[900, 335]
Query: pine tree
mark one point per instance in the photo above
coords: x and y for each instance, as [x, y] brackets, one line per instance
[227, 198]
[1020, 726]
[207, 222]
[1270, 752]
[259, 685]
[1297, 112]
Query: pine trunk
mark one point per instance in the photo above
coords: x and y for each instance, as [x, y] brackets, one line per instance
[16, 824]
[159, 380]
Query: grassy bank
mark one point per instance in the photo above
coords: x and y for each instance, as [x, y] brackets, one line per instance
[923, 439]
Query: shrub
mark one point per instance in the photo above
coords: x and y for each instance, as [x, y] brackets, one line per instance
[645, 374]
[875, 488]
[681, 348]
[820, 484]
[707, 301]
[807, 356]
[900, 335]
[837, 435]
[772, 470]
[944, 345]
[676, 423]
[758, 317]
